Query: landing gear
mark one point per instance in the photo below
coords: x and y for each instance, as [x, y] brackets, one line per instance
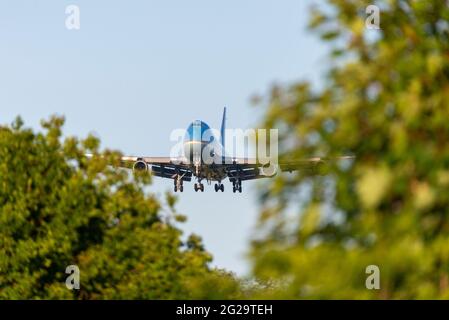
[237, 186]
[178, 185]
[219, 186]
[198, 186]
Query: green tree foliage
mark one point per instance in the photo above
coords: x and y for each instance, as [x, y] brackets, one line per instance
[59, 208]
[386, 101]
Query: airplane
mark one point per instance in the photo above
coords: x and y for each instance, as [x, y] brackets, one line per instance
[192, 165]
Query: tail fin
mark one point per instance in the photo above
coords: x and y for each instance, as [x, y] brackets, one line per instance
[223, 128]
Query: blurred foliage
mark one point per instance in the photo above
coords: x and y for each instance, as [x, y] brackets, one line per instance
[60, 208]
[386, 101]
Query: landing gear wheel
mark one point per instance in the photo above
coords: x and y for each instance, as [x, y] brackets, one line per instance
[178, 185]
[222, 187]
[199, 186]
[237, 186]
[216, 187]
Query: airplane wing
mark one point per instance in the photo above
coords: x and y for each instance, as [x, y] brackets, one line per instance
[242, 169]
[164, 167]
[249, 169]
[235, 168]
[310, 163]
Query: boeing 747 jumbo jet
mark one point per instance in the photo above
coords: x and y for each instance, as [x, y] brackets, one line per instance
[199, 140]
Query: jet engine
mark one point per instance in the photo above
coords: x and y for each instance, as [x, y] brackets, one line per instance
[140, 166]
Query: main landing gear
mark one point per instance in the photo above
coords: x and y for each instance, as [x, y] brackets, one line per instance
[237, 186]
[178, 185]
[219, 186]
[198, 186]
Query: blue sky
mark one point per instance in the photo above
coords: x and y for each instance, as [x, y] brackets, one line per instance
[136, 70]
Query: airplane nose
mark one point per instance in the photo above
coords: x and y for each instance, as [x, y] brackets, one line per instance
[193, 151]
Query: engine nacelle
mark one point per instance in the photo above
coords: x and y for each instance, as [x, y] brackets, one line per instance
[140, 166]
[268, 170]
